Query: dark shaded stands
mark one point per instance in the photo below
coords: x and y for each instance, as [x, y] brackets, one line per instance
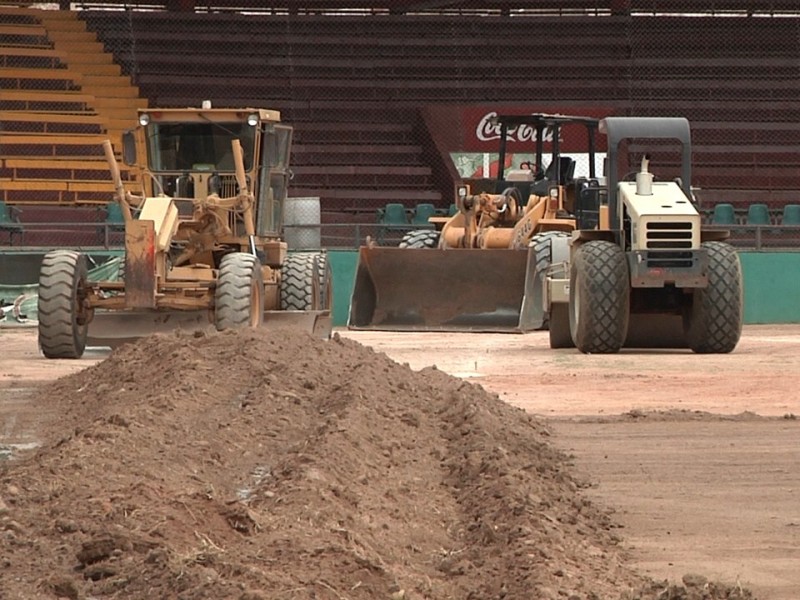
[353, 85]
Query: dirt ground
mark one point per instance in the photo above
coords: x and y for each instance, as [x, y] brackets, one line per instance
[157, 476]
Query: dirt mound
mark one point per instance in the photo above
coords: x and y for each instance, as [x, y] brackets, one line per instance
[258, 464]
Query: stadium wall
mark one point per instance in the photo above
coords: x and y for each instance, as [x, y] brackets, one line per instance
[770, 296]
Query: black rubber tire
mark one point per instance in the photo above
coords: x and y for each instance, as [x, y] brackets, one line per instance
[599, 299]
[560, 336]
[63, 324]
[239, 297]
[542, 244]
[714, 322]
[420, 238]
[306, 282]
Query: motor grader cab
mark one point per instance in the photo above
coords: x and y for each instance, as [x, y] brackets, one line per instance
[652, 276]
[484, 269]
[202, 242]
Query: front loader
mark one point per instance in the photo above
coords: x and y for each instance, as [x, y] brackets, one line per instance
[483, 268]
[650, 276]
[203, 241]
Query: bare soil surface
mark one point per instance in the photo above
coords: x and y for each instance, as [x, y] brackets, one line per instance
[698, 455]
[268, 465]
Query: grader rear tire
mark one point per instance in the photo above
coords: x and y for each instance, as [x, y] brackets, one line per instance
[714, 323]
[560, 336]
[599, 298]
[63, 322]
[306, 282]
[420, 238]
[239, 297]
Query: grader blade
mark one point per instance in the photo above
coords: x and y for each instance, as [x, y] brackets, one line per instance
[403, 289]
[318, 323]
[114, 328]
[117, 327]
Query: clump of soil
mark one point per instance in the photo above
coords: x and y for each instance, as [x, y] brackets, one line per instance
[260, 465]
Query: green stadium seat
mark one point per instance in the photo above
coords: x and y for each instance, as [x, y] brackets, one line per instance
[422, 213]
[114, 216]
[791, 214]
[723, 214]
[113, 223]
[392, 214]
[393, 217]
[758, 214]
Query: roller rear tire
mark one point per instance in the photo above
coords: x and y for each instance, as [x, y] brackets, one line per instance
[714, 322]
[599, 298]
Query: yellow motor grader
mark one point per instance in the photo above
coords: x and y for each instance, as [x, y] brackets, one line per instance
[483, 269]
[203, 242]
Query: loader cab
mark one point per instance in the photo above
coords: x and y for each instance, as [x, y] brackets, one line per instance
[591, 195]
[541, 129]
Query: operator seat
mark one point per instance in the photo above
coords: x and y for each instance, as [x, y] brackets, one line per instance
[565, 176]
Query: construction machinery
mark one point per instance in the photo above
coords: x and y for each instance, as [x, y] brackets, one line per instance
[481, 269]
[648, 274]
[203, 242]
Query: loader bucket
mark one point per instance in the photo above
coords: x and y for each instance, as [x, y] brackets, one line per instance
[404, 289]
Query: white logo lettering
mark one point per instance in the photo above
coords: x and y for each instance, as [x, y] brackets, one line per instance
[487, 131]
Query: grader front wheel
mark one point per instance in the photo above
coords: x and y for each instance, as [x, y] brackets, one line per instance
[62, 318]
[239, 297]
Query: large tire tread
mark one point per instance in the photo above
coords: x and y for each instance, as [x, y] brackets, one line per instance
[239, 282]
[305, 281]
[62, 330]
[420, 238]
[715, 321]
[600, 281]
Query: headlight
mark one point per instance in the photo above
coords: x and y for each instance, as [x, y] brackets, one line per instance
[144, 119]
[252, 119]
[554, 192]
[462, 191]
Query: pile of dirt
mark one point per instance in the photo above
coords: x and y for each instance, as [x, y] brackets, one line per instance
[260, 465]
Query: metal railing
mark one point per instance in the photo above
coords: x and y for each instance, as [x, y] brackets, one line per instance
[344, 236]
[64, 235]
[783, 238]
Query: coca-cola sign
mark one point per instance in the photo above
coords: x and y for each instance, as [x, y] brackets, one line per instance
[481, 132]
[488, 129]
